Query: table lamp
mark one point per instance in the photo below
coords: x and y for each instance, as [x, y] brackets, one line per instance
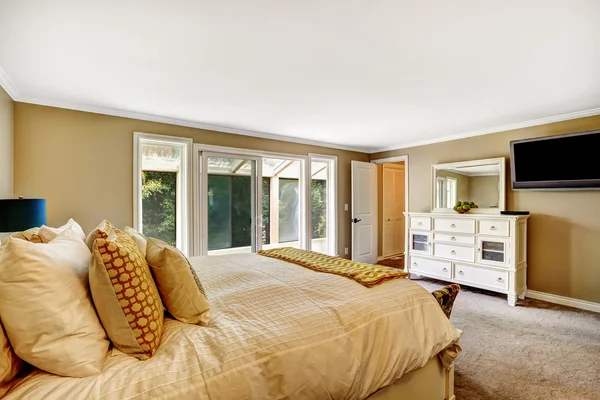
[21, 214]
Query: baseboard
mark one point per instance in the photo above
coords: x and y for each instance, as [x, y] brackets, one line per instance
[565, 301]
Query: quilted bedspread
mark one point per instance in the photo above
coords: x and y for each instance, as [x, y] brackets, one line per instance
[278, 331]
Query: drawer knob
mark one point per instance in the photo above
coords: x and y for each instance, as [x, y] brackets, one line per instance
[445, 269]
[453, 226]
[414, 264]
[500, 280]
[461, 273]
[492, 228]
[419, 223]
[478, 249]
[453, 252]
[452, 238]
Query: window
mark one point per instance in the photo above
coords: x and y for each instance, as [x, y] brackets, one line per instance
[323, 198]
[247, 200]
[161, 188]
[446, 193]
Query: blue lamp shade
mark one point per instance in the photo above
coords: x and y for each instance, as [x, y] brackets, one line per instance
[21, 214]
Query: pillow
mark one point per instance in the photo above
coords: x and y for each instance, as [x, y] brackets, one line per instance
[47, 233]
[103, 231]
[138, 238]
[179, 286]
[31, 235]
[10, 364]
[48, 284]
[126, 296]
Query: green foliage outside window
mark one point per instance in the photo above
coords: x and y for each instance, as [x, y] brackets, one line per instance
[318, 198]
[159, 199]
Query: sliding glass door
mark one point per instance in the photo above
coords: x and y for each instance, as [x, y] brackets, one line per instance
[229, 199]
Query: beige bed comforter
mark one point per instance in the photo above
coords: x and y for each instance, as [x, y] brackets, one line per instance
[278, 331]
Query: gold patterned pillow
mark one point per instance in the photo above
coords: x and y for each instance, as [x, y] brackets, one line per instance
[178, 284]
[104, 230]
[31, 235]
[126, 296]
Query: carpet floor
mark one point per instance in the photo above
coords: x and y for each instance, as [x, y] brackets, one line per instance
[536, 350]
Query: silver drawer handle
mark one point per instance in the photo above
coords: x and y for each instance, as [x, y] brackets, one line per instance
[445, 269]
[492, 228]
[461, 273]
[500, 280]
[452, 226]
[420, 223]
[414, 264]
[453, 252]
[452, 238]
[478, 250]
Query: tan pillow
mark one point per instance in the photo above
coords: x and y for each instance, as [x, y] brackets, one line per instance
[138, 238]
[126, 296]
[10, 364]
[179, 286]
[47, 233]
[31, 235]
[45, 305]
[104, 230]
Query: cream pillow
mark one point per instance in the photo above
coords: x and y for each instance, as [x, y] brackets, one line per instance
[126, 296]
[138, 238]
[31, 235]
[179, 286]
[104, 230]
[10, 364]
[45, 305]
[47, 233]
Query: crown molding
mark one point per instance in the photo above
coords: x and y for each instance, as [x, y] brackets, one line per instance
[180, 122]
[519, 125]
[7, 85]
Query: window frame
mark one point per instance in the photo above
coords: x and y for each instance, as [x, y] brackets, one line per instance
[183, 206]
[332, 199]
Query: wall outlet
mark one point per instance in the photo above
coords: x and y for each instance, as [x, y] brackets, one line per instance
[345, 207]
[345, 250]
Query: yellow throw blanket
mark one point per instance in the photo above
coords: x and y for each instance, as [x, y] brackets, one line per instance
[368, 275]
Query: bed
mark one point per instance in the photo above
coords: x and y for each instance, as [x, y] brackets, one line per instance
[279, 330]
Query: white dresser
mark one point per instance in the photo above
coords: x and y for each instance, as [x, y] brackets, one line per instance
[488, 251]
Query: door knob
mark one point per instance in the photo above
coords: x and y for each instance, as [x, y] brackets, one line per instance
[356, 220]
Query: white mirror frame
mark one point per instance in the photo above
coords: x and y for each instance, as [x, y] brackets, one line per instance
[500, 161]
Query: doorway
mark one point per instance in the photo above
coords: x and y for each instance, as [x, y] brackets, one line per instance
[392, 203]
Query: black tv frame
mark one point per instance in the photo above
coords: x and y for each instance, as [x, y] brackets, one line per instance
[582, 184]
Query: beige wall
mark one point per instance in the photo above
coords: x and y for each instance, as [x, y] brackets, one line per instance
[6, 144]
[564, 228]
[82, 163]
[483, 190]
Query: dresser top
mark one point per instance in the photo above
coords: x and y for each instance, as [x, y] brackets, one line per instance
[468, 215]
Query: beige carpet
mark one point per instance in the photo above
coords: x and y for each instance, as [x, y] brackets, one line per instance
[536, 350]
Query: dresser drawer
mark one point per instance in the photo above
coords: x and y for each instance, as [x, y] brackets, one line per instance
[448, 237]
[439, 268]
[458, 225]
[481, 276]
[493, 227]
[420, 223]
[461, 253]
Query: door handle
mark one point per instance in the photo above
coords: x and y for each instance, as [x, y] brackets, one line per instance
[356, 220]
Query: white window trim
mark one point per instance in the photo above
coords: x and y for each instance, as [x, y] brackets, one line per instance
[184, 184]
[332, 199]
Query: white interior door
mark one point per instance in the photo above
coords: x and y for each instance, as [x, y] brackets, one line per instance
[364, 212]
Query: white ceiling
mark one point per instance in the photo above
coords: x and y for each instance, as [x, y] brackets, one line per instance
[367, 75]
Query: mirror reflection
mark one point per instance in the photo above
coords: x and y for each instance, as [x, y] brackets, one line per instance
[478, 184]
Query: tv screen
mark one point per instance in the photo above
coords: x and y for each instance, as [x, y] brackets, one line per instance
[556, 162]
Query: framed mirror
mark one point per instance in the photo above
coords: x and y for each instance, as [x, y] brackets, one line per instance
[478, 182]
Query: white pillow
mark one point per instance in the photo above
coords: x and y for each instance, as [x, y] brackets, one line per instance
[46, 308]
[47, 233]
[138, 238]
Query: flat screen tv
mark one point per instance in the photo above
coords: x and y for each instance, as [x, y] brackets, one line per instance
[567, 162]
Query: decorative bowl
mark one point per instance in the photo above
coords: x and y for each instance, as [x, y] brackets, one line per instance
[461, 211]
